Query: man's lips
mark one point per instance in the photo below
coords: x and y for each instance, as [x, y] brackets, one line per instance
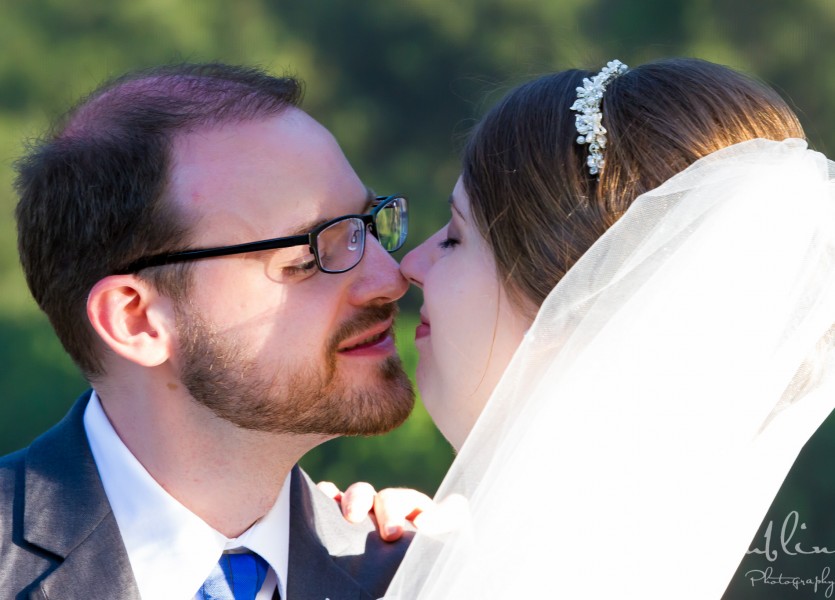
[373, 336]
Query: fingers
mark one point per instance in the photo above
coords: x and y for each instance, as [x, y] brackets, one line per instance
[357, 501]
[330, 490]
[394, 506]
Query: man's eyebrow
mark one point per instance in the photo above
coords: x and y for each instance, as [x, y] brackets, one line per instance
[370, 200]
[306, 227]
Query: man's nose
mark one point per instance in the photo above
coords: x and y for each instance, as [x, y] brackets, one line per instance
[378, 279]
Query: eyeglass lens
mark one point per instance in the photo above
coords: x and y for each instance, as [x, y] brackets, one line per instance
[341, 245]
[390, 224]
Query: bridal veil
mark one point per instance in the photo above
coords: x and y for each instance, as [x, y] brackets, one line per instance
[655, 406]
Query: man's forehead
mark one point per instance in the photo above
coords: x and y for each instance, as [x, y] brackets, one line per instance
[212, 139]
[284, 175]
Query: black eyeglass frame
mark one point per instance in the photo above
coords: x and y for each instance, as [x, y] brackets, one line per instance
[305, 239]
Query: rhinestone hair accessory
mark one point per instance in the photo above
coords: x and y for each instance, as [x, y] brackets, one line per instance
[589, 120]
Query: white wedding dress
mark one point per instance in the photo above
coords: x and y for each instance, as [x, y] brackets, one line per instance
[653, 410]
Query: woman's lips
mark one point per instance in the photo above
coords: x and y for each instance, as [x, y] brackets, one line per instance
[422, 330]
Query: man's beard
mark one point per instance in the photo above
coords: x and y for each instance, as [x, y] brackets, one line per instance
[308, 398]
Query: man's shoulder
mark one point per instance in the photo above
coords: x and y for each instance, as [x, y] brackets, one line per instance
[11, 467]
[10, 463]
[20, 568]
[355, 551]
[67, 432]
[44, 459]
[52, 506]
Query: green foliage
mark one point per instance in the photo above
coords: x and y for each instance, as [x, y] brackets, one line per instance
[38, 380]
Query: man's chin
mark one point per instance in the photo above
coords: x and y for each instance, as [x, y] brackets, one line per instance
[381, 405]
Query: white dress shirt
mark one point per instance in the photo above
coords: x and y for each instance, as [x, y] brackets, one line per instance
[172, 550]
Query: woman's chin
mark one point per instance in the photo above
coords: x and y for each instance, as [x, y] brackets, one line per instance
[452, 418]
[449, 422]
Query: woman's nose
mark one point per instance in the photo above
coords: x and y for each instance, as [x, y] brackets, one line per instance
[418, 261]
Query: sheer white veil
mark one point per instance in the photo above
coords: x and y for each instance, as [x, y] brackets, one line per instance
[649, 417]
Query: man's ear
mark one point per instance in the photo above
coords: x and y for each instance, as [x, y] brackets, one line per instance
[133, 319]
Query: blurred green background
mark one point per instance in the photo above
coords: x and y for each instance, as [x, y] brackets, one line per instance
[400, 84]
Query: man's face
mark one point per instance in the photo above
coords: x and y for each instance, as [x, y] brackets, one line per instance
[314, 354]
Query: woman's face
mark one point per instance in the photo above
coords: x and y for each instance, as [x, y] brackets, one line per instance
[469, 329]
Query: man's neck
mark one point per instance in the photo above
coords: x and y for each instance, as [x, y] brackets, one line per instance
[228, 476]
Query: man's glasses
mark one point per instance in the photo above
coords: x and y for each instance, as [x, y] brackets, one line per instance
[333, 247]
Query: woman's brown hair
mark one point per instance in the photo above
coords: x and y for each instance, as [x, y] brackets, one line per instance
[530, 188]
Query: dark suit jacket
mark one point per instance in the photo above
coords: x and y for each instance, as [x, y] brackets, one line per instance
[59, 538]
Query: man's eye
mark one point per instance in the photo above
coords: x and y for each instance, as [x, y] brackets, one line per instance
[295, 270]
[303, 269]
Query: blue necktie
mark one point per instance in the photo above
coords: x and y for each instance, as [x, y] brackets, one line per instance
[235, 577]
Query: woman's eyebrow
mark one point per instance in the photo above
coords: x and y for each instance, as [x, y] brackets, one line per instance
[455, 208]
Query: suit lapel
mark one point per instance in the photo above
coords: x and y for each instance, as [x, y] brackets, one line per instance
[67, 514]
[312, 573]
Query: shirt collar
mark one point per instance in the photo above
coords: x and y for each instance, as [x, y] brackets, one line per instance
[172, 550]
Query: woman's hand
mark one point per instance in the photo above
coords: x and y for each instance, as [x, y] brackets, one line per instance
[391, 508]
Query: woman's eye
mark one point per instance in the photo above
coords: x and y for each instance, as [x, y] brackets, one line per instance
[452, 238]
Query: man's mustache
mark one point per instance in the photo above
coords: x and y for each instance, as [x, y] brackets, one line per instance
[360, 322]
